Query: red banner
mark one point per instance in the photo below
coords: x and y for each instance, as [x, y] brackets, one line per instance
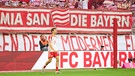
[82, 21]
[10, 61]
[18, 60]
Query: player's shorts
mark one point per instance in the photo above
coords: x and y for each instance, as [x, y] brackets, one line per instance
[53, 54]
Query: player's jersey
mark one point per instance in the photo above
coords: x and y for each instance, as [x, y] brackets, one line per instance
[52, 39]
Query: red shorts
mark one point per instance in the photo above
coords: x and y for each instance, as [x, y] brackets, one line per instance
[53, 54]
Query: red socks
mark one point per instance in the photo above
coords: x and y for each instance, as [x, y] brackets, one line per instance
[56, 68]
[44, 67]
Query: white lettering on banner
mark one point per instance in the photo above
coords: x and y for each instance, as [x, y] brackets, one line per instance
[42, 20]
[93, 21]
[85, 59]
[78, 20]
[11, 18]
[39, 19]
[107, 21]
[29, 22]
[30, 42]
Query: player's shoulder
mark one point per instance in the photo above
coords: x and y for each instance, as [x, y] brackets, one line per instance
[50, 36]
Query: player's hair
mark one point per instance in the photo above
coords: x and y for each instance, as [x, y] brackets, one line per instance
[53, 29]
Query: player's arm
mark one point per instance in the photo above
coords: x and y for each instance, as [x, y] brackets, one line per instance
[50, 45]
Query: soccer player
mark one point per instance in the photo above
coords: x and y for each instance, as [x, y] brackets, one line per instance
[52, 50]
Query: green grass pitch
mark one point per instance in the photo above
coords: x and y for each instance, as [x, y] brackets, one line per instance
[76, 72]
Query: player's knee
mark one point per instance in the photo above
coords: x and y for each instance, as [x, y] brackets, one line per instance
[49, 61]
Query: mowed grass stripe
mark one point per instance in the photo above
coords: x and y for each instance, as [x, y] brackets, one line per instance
[77, 72]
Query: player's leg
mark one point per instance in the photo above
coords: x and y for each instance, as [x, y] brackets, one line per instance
[57, 62]
[48, 61]
[50, 56]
